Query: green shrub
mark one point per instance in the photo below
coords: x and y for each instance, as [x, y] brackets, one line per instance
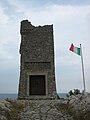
[16, 108]
[76, 92]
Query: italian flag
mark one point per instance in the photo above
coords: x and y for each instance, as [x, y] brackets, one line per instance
[75, 49]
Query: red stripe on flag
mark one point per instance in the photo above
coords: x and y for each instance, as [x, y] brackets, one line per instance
[72, 47]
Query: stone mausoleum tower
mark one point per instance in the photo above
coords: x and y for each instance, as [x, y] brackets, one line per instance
[37, 68]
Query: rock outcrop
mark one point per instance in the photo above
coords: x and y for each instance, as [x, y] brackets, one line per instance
[73, 108]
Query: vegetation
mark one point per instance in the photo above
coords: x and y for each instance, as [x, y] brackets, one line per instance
[76, 115]
[76, 92]
[15, 110]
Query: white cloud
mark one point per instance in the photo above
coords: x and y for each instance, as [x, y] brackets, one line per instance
[70, 25]
[57, 13]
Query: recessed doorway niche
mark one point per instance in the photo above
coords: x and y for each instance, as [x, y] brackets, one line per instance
[37, 85]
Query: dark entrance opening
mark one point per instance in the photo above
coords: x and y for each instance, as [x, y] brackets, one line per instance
[37, 85]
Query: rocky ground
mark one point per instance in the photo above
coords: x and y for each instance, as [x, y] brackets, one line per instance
[75, 107]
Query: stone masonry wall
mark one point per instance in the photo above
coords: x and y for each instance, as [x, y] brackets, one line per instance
[37, 56]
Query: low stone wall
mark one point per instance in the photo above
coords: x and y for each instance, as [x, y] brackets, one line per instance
[44, 110]
[73, 108]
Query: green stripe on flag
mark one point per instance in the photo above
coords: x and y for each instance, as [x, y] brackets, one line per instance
[78, 51]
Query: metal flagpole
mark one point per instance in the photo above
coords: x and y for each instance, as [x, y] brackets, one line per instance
[82, 68]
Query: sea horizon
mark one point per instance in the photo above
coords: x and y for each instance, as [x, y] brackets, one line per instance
[14, 96]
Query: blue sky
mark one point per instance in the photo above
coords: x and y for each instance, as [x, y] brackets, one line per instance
[70, 19]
